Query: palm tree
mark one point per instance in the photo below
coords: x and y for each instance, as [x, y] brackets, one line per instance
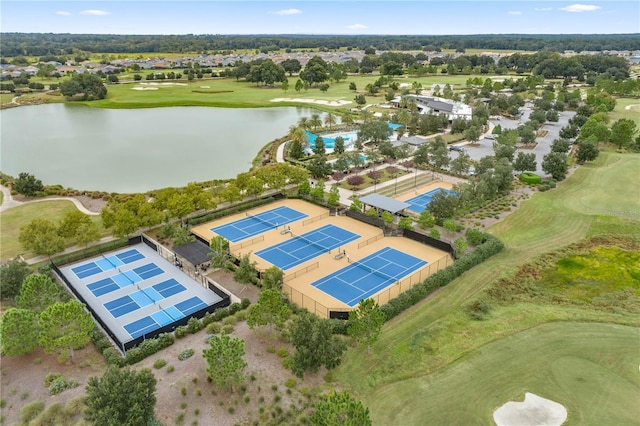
[303, 122]
[366, 115]
[347, 118]
[298, 141]
[330, 119]
[315, 121]
[404, 117]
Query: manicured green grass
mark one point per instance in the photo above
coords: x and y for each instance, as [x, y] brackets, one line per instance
[620, 110]
[227, 92]
[591, 369]
[437, 332]
[13, 219]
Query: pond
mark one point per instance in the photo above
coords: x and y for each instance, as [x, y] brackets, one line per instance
[136, 150]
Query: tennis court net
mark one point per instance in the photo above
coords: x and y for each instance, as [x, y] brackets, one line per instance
[266, 222]
[311, 243]
[109, 260]
[373, 271]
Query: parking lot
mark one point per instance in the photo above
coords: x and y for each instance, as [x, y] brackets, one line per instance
[484, 147]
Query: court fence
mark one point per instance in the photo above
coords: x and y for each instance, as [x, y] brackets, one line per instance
[370, 240]
[425, 239]
[362, 217]
[306, 301]
[243, 244]
[165, 253]
[391, 292]
[291, 275]
[315, 219]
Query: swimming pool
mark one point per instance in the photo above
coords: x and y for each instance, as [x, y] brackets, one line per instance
[330, 139]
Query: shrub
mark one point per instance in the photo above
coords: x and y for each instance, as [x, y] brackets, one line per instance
[228, 329]
[159, 363]
[234, 307]
[31, 410]
[49, 378]
[290, 382]
[229, 320]
[283, 352]
[474, 237]
[170, 369]
[61, 384]
[113, 357]
[187, 353]
[214, 328]
[240, 316]
[181, 331]
[194, 325]
[207, 319]
[220, 313]
[245, 303]
[530, 178]
[478, 309]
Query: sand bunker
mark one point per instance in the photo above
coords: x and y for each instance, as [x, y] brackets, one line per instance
[153, 83]
[312, 101]
[144, 88]
[205, 87]
[633, 107]
[533, 411]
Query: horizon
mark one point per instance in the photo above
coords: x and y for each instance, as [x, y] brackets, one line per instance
[321, 18]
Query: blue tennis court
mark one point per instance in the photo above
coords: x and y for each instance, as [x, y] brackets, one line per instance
[107, 263]
[253, 225]
[366, 277]
[420, 202]
[303, 247]
[164, 316]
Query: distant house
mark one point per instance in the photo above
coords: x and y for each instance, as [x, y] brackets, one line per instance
[31, 70]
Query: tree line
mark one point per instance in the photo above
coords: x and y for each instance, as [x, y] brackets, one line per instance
[36, 44]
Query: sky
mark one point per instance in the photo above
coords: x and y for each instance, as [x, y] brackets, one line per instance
[423, 17]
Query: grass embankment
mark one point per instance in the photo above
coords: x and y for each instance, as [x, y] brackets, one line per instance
[438, 332]
[13, 219]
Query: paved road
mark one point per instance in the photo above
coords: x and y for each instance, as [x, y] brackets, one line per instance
[9, 202]
[484, 147]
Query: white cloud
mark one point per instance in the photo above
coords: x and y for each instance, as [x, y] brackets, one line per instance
[357, 27]
[542, 9]
[581, 8]
[63, 13]
[94, 12]
[515, 12]
[288, 12]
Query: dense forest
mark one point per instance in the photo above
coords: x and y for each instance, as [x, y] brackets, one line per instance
[35, 44]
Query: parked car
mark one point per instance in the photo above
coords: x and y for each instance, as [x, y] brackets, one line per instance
[490, 137]
[456, 148]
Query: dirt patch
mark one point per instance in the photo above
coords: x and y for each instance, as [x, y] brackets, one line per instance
[182, 389]
[23, 378]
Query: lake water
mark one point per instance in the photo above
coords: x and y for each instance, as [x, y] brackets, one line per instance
[136, 150]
